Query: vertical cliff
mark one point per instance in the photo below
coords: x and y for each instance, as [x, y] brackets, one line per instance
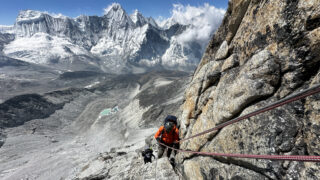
[263, 51]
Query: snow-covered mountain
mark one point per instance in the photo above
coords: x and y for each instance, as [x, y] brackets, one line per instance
[116, 40]
[4, 39]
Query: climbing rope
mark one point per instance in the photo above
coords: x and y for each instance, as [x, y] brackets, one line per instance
[156, 168]
[178, 172]
[254, 156]
[289, 99]
[305, 93]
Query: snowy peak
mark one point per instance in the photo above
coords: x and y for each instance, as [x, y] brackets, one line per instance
[170, 22]
[152, 22]
[135, 16]
[116, 39]
[30, 22]
[116, 15]
[138, 18]
[27, 15]
[113, 7]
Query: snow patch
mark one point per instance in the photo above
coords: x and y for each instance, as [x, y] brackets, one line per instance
[122, 45]
[3, 76]
[114, 6]
[134, 16]
[162, 82]
[150, 62]
[132, 114]
[7, 29]
[176, 55]
[31, 15]
[42, 48]
[93, 84]
[174, 100]
[28, 15]
[135, 92]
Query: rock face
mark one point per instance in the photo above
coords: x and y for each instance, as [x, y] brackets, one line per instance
[22, 108]
[124, 164]
[263, 51]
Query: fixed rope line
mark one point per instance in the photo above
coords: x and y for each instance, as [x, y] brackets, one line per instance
[156, 167]
[305, 93]
[300, 95]
[253, 156]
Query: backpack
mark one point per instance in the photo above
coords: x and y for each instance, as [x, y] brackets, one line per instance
[171, 118]
[147, 153]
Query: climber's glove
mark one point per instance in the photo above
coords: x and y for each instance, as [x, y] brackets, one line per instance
[158, 139]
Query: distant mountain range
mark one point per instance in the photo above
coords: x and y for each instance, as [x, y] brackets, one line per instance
[115, 42]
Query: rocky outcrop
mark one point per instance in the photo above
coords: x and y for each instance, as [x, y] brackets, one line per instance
[5, 61]
[20, 109]
[263, 51]
[120, 163]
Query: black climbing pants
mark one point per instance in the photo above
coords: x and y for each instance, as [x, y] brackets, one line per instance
[147, 160]
[161, 149]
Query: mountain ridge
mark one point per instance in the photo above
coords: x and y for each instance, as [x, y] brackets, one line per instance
[114, 39]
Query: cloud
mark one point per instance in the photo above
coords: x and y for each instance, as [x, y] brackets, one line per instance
[202, 22]
[161, 21]
[113, 5]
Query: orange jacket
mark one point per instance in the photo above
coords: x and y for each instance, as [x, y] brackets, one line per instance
[168, 138]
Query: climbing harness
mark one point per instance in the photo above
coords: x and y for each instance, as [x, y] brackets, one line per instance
[305, 93]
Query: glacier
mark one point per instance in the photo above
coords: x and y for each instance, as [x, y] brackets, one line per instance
[41, 48]
[117, 41]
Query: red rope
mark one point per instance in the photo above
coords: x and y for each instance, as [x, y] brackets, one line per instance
[292, 98]
[295, 97]
[254, 156]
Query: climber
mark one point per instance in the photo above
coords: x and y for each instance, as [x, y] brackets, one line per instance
[168, 134]
[147, 155]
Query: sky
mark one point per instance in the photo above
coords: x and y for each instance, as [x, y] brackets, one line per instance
[9, 9]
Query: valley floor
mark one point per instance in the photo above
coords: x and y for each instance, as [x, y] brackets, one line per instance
[79, 142]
